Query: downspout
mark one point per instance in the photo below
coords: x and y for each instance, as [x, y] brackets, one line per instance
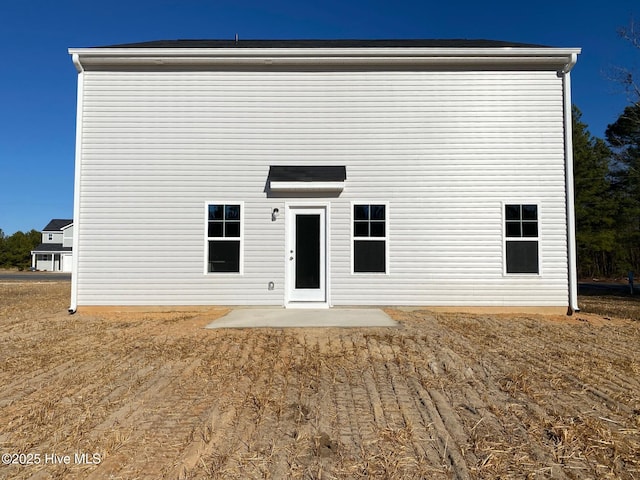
[76, 187]
[572, 273]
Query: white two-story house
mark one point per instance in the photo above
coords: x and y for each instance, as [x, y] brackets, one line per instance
[324, 173]
[54, 254]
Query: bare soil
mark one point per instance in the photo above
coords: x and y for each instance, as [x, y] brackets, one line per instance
[444, 396]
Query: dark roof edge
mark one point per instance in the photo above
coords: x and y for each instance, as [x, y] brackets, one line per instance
[390, 43]
[57, 224]
[51, 247]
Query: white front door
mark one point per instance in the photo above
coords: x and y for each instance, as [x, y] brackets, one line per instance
[306, 255]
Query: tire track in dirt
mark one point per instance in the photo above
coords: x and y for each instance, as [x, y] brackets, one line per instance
[254, 418]
[490, 388]
[348, 431]
[359, 404]
[412, 426]
[413, 409]
[553, 431]
[382, 375]
[59, 368]
[589, 375]
[215, 421]
[157, 374]
[120, 440]
[529, 351]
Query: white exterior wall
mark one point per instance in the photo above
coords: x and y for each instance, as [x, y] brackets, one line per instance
[44, 265]
[444, 149]
[66, 262]
[56, 237]
[67, 236]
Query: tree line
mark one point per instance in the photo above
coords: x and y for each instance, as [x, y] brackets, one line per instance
[15, 250]
[607, 185]
[607, 194]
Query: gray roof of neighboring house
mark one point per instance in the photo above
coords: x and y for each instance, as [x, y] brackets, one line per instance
[57, 224]
[50, 247]
[406, 43]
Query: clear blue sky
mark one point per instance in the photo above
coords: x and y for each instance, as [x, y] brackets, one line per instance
[38, 80]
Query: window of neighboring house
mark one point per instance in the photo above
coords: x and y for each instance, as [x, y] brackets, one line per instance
[43, 258]
[370, 238]
[224, 238]
[522, 238]
[50, 236]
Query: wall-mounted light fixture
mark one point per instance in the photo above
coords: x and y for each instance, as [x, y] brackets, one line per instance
[274, 214]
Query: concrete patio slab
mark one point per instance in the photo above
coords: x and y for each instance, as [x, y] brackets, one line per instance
[303, 318]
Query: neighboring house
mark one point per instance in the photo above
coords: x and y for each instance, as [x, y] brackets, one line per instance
[54, 254]
[436, 173]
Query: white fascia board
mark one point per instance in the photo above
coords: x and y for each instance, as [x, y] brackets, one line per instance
[553, 58]
[307, 186]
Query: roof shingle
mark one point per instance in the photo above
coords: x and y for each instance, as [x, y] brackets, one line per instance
[57, 224]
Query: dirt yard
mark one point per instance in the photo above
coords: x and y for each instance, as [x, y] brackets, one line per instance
[443, 396]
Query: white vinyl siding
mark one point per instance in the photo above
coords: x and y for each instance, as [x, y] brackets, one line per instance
[444, 148]
[67, 236]
[52, 237]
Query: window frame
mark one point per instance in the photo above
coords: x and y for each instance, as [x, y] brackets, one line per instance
[384, 238]
[239, 238]
[521, 238]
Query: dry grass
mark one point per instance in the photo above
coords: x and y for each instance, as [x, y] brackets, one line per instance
[444, 396]
[612, 306]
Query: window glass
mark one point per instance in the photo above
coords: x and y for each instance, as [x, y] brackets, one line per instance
[529, 212]
[512, 212]
[369, 227]
[215, 212]
[224, 256]
[361, 229]
[377, 212]
[232, 229]
[361, 212]
[377, 229]
[369, 256]
[529, 229]
[216, 229]
[513, 229]
[223, 231]
[522, 257]
[521, 228]
[232, 212]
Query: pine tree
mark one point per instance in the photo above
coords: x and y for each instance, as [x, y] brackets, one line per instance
[624, 138]
[594, 205]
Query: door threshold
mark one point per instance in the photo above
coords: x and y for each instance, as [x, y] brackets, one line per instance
[307, 305]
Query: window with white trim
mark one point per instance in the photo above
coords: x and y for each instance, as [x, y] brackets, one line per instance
[224, 239]
[369, 238]
[521, 242]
